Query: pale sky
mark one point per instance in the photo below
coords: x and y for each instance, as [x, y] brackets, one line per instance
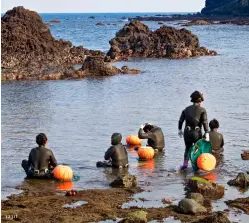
[106, 5]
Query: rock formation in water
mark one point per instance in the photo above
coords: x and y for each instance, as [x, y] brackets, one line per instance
[30, 52]
[226, 7]
[136, 40]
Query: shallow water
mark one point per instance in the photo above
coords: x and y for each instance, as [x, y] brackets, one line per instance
[79, 116]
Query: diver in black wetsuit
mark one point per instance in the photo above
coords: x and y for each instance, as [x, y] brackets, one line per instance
[154, 135]
[195, 117]
[216, 139]
[116, 156]
[41, 160]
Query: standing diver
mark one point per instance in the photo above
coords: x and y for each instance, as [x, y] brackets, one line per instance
[194, 116]
[154, 135]
[116, 156]
[41, 160]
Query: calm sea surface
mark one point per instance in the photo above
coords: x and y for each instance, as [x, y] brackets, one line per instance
[79, 116]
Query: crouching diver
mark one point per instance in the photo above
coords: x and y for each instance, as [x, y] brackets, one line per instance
[216, 139]
[41, 160]
[195, 117]
[116, 156]
[154, 135]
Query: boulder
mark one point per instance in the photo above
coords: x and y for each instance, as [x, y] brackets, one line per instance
[96, 66]
[197, 197]
[205, 187]
[124, 181]
[217, 217]
[242, 181]
[245, 155]
[127, 70]
[190, 206]
[135, 217]
[136, 40]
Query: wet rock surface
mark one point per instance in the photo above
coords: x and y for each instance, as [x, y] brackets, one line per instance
[136, 40]
[124, 181]
[197, 197]
[241, 203]
[198, 23]
[242, 181]
[245, 155]
[217, 217]
[135, 217]
[205, 187]
[190, 206]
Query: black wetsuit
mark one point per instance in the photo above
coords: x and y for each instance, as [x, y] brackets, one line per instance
[217, 142]
[155, 137]
[118, 154]
[195, 117]
[41, 161]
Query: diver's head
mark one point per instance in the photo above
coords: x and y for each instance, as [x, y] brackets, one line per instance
[116, 138]
[41, 139]
[214, 124]
[147, 127]
[197, 97]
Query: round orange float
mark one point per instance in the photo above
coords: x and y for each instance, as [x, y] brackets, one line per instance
[133, 140]
[63, 173]
[64, 185]
[206, 162]
[146, 153]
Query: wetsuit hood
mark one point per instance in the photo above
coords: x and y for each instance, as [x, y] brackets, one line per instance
[116, 138]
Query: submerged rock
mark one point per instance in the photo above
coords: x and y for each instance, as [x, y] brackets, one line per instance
[127, 70]
[100, 24]
[190, 206]
[217, 217]
[124, 181]
[205, 187]
[136, 40]
[242, 180]
[245, 155]
[135, 217]
[55, 21]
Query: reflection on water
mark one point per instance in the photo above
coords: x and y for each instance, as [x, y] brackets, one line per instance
[79, 116]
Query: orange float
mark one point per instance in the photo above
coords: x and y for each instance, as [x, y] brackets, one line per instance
[206, 162]
[146, 153]
[211, 177]
[63, 173]
[68, 185]
[133, 140]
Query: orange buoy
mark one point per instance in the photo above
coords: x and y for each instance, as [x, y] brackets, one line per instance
[146, 153]
[64, 185]
[206, 162]
[63, 173]
[133, 140]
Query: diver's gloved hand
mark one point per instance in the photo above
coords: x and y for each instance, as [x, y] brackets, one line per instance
[180, 133]
[207, 136]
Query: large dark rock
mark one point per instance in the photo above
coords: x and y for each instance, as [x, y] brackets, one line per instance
[136, 40]
[242, 181]
[190, 206]
[27, 45]
[217, 217]
[205, 187]
[124, 181]
[226, 7]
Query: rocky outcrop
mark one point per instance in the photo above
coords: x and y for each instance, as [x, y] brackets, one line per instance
[242, 181]
[100, 24]
[28, 48]
[241, 203]
[190, 206]
[136, 40]
[205, 187]
[135, 217]
[197, 23]
[226, 7]
[124, 181]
